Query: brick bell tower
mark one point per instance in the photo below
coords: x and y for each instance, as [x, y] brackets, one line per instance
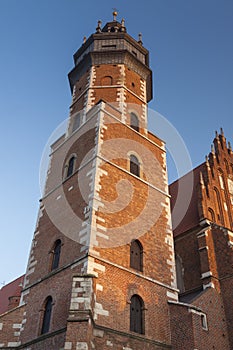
[101, 267]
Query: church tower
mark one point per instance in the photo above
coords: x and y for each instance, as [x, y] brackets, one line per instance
[101, 268]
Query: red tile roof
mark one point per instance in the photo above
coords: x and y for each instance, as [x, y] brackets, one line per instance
[11, 289]
[190, 217]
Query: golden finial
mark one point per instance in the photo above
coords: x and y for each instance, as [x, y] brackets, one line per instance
[115, 13]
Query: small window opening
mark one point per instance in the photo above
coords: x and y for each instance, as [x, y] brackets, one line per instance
[70, 169]
[56, 254]
[204, 322]
[109, 46]
[136, 255]
[134, 122]
[134, 166]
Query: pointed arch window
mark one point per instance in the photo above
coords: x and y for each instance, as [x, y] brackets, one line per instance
[47, 315]
[134, 165]
[211, 214]
[70, 168]
[219, 206]
[136, 255]
[134, 122]
[227, 166]
[137, 314]
[56, 254]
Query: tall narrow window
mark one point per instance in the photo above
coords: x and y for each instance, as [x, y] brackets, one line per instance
[227, 166]
[136, 255]
[136, 314]
[179, 274]
[70, 169]
[219, 206]
[47, 315]
[56, 254]
[204, 322]
[211, 214]
[134, 122]
[134, 165]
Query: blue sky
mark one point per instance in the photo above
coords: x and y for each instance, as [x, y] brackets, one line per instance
[191, 55]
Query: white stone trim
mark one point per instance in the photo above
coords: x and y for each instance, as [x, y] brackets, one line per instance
[206, 274]
[209, 285]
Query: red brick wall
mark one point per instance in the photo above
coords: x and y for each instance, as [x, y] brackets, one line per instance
[10, 326]
[187, 248]
[118, 286]
[210, 302]
[181, 328]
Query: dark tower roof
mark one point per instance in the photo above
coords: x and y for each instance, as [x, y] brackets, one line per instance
[112, 45]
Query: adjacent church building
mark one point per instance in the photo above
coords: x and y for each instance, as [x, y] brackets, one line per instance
[110, 267]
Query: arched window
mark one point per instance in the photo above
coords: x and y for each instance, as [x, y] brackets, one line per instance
[134, 165]
[47, 315]
[134, 122]
[137, 314]
[227, 166]
[106, 81]
[211, 214]
[219, 206]
[70, 168]
[221, 178]
[136, 255]
[56, 254]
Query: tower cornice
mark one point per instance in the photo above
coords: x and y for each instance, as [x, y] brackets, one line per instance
[111, 36]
